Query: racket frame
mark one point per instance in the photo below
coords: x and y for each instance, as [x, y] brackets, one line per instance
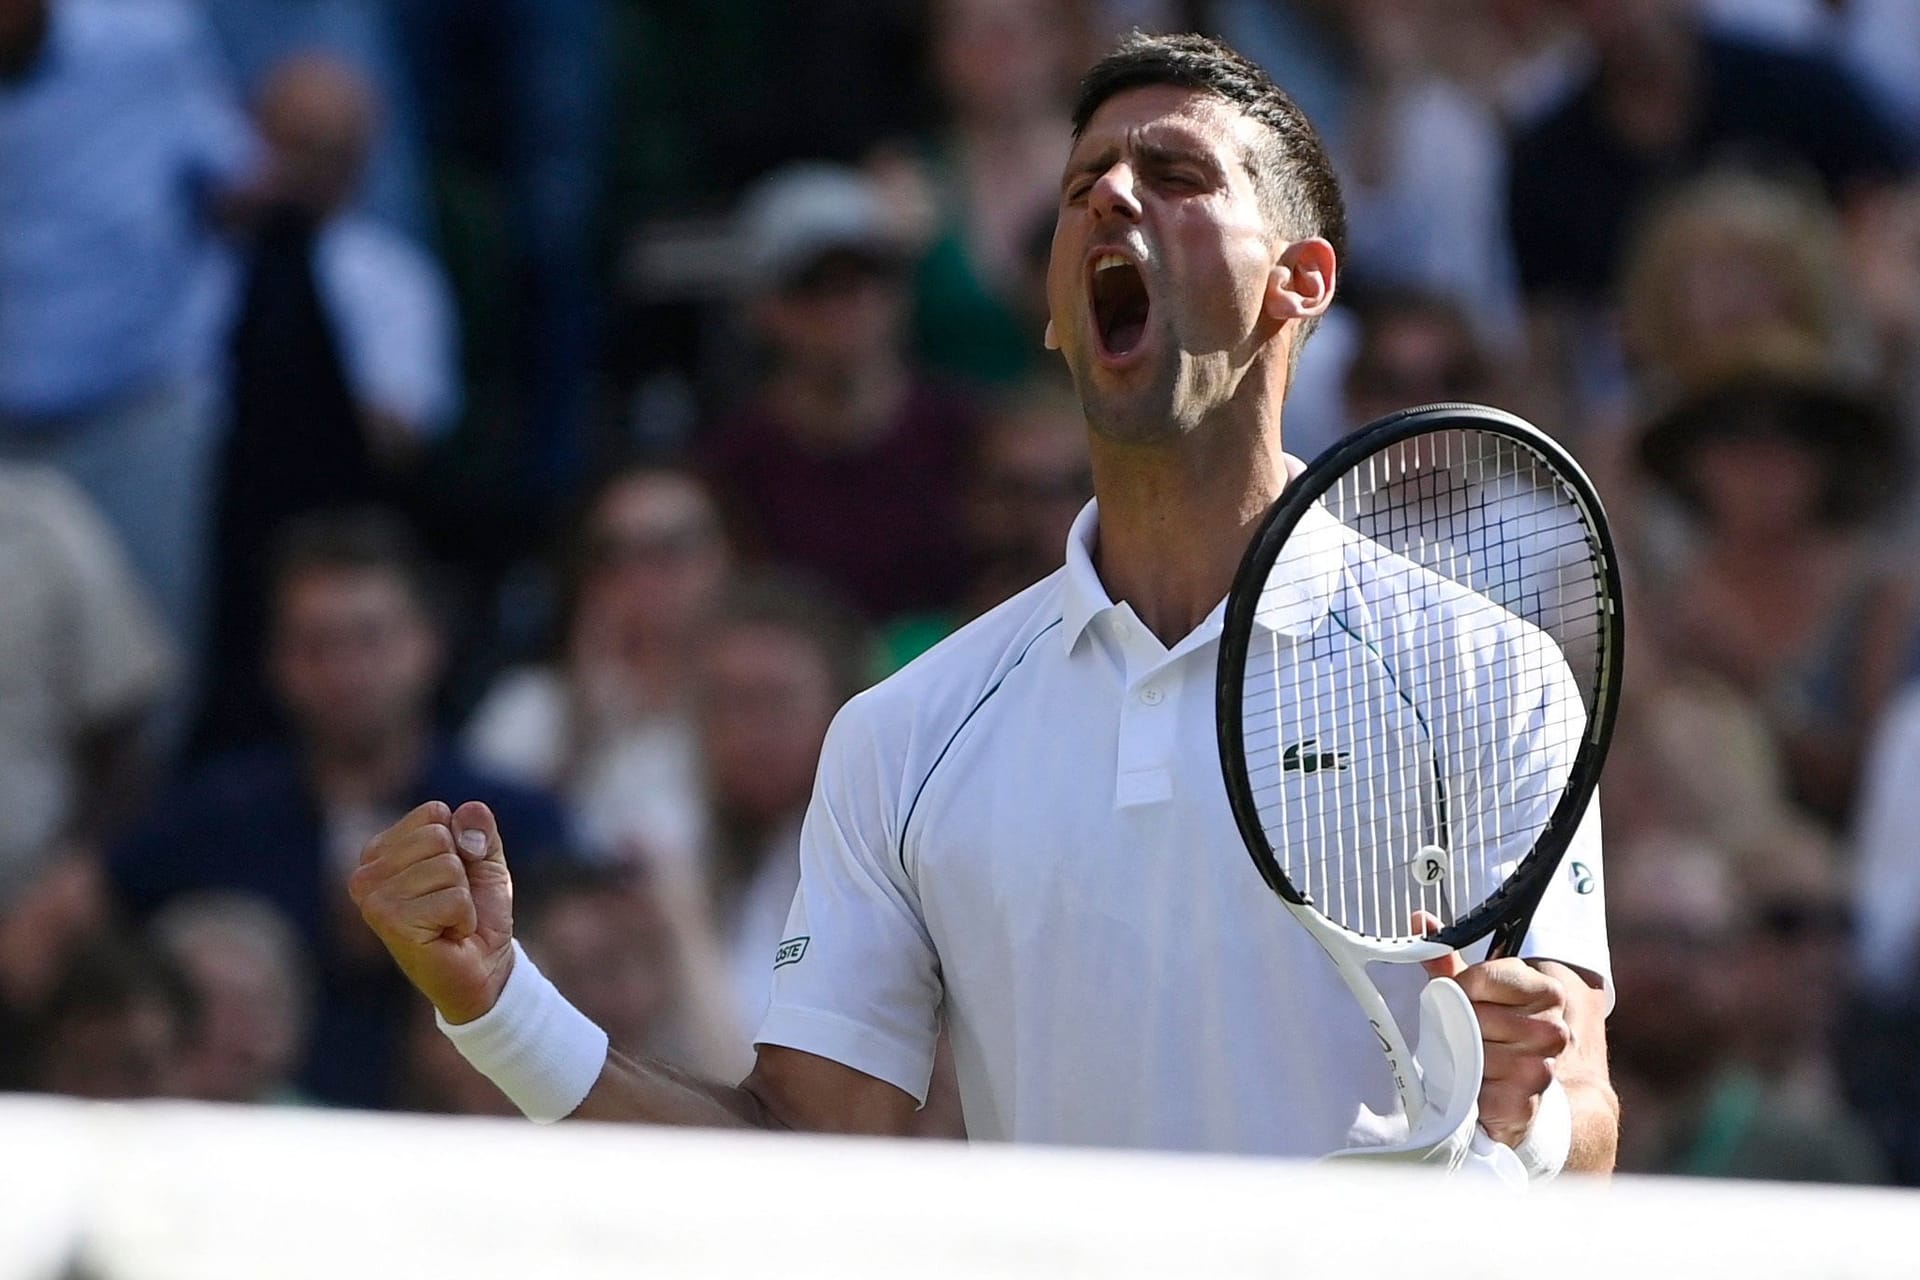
[1508, 912]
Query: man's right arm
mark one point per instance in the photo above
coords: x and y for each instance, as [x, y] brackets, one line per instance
[787, 1089]
[435, 888]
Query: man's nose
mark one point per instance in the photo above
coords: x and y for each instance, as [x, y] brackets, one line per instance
[1113, 194]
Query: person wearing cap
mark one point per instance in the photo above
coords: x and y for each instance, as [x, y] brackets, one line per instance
[838, 420]
[1776, 575]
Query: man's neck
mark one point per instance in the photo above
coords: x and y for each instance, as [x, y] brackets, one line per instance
[1175, 520]
[367, 774]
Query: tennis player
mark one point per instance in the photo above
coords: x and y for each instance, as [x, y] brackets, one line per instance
[1024, 835]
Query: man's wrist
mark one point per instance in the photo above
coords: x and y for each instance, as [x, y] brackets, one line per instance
[1549, 1139]
[543, 1053]
[460, 1014]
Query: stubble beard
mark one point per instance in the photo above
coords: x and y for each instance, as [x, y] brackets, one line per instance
[1148, 414]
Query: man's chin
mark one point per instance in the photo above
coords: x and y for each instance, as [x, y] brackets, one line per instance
[1131, 408]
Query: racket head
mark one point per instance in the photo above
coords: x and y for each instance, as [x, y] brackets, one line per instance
[1495, 528]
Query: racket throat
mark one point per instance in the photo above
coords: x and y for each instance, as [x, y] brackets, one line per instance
[1401, 1067]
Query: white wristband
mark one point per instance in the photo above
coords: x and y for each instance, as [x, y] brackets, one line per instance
[1545, 1148]
[542, 1052]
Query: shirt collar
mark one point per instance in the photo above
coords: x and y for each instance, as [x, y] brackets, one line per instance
[1301, 591]
[1083, 596]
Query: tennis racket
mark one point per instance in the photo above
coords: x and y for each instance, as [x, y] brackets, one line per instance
[1418, 678]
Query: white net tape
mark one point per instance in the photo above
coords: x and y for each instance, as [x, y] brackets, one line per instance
[172, 1192]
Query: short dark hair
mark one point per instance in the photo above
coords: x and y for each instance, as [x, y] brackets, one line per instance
[1298, 187]
[357, 538]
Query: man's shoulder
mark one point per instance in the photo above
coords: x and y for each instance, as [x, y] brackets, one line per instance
[952, 677]
[1393, 587]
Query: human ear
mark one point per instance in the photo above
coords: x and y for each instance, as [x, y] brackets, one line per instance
[1300, 285]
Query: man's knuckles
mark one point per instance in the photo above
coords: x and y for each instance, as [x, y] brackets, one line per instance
[395, 850]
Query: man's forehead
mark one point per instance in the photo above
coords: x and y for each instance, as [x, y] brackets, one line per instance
[1164, 113]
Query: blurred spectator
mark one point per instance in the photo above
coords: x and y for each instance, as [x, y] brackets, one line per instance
[1800, 921]
[120, 148]
[115, 1026]
[343, 360]
[1027, 479]
[1882, 259]
[259, 35]
[514, 98]
[1883, 1041]
[778, 662]
[1887, 856]
[607, 723]
[1423, 168]
[1689, 755]
[82, 667]
[1689, 1103]
[1415, 348]
[1666, 97]
[384, 297]
[1726, 266]
[44, 922]
[248, 974]
[840, 422]
[355, 657]
[1877, 41]
[987, 184]
[1771, 578]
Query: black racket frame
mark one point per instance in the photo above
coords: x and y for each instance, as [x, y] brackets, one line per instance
[1509, 911]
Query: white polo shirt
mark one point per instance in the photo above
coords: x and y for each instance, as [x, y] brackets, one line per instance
[1025, 831]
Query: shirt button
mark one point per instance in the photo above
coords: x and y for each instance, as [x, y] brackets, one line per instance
[1151, 695]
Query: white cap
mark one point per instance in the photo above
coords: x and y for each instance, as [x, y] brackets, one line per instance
[798, 214]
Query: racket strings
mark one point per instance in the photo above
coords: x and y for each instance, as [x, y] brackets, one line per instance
[1382, 760]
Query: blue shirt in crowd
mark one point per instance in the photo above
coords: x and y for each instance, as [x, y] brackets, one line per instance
[112, 146]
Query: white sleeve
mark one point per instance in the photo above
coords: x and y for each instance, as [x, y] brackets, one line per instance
[1520, 783]
[855, 978]
[1571, 925]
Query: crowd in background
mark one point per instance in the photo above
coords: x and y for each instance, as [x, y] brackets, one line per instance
[570, 403]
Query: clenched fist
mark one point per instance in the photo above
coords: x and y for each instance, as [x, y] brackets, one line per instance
[434, 887]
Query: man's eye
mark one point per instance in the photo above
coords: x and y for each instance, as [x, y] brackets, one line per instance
[1078, 192]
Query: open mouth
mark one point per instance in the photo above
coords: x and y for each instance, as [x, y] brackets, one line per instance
[1120, 304]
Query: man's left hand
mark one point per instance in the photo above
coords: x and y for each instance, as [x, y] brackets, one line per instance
[1523, 1024]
